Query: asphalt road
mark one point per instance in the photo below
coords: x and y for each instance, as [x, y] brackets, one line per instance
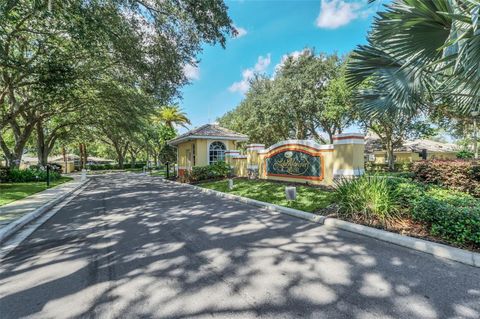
[133, 247]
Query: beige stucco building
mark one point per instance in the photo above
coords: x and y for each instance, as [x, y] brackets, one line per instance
[413, 151]
[204, 145]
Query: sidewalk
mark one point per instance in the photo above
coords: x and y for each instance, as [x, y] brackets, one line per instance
[12, 213]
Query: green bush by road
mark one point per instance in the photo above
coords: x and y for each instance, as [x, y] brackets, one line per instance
[449, 215]
[309, 199]
[31, 174]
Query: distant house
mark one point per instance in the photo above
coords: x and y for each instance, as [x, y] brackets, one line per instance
[71, 160]
[76, 159]
[204, 145]
[410, 151]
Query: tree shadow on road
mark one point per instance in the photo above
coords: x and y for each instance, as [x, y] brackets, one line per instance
[137, 247]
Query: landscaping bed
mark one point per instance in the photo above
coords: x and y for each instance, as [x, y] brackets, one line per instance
[309, 198]
[11, 192]
[411, 208]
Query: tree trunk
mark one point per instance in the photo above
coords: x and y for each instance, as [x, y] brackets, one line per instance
[155, 155]
[330, 136]
[64, 153]
[42, 148]
[120, 162]
[80, 147]
[390, 156]
[121, 151]
[85, 155]
[14, 157]
[133, 159]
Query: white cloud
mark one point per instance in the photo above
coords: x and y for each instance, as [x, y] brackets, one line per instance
[192, 72]
[337, 13]
[247, 74]
[240, 32]
[294, 55]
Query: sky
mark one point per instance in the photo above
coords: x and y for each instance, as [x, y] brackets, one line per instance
[267, 31]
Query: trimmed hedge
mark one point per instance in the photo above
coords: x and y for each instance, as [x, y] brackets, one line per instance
[31, 174]
[458, 175]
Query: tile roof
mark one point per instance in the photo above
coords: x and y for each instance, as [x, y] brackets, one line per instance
[208, 130]
[373, 144]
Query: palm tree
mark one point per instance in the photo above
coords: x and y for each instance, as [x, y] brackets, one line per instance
[172, 115]
[423, 52]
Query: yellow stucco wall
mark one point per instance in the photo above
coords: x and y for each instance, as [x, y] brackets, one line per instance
[239, 166]
[201, 152]
[342, 159]
[348, 157]
[407, 157]
[442, 155]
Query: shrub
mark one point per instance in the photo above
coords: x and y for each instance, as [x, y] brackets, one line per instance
[217, 170]
[367, 198]
[199, 173]
[452, 215]
[465, 154]
[102, 167]
[452, 197]
[31, 174]
[457, 175]
[3, 174]
[376, 167]
[136, 165]
[383, 167]
[406, 191]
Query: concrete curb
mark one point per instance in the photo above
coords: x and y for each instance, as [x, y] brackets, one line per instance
[13, 227]
[435, 249]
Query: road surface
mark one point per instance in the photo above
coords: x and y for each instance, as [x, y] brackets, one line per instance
[130, 246]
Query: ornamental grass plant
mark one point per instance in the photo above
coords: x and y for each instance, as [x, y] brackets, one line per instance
[367, 199]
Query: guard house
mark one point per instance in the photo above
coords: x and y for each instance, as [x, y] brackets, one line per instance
[204, 145]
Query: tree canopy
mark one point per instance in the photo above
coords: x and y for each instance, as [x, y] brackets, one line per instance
[307, 98]
[96, 65]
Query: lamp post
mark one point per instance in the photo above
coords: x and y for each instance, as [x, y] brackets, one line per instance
[475, 143]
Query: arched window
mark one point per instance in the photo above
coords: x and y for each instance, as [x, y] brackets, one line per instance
[216, 152]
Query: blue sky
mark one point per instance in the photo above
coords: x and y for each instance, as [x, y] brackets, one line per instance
[267, 31]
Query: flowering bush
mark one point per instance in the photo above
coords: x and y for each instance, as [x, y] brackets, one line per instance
[458, 174]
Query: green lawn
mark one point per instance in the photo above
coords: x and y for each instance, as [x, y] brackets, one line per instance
[10, 192]
[309, 199]
[161, 173]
